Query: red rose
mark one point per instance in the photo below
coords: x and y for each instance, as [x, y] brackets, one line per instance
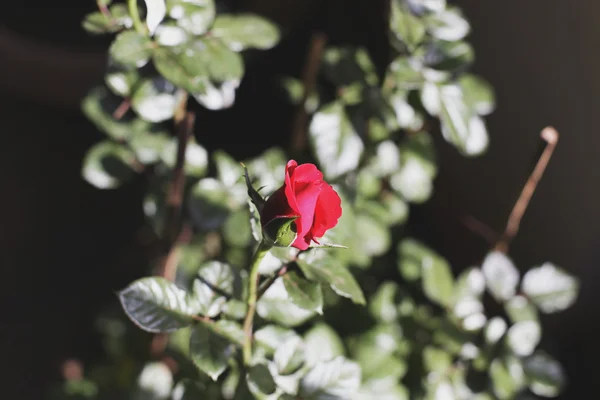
[306, 196]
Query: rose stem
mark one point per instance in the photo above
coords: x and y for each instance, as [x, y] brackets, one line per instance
[309, 80]
[259, 254]
[167, 267]
[550, 136]
[135, 17]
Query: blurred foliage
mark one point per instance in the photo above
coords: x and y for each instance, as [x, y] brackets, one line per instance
[386, 318]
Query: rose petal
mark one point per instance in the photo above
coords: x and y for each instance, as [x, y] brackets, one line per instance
[289, 185]
[276, 206]
[328, 211]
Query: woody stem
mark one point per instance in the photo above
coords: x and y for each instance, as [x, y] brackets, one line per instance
[259, 254]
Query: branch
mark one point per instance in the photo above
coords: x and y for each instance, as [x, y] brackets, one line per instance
[174, 201]
[267, 284]
[550, 136]
[134, 13]
[309, 79]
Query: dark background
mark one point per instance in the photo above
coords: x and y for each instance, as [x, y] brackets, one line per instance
[65, 246]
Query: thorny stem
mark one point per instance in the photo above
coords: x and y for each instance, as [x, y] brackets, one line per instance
[135, 17]
[550, 136]
[259, 254]
[309, 79]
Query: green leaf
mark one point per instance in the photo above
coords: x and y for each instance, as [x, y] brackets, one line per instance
[501, 275]
[148, 146]
[551, 288]
[469, 283]
[349, 66]
[436, 360]
[209, 204]
[519, 308]
[373, 236]
[199, 62]
[407, 28]
[214, 285]
[427, 6]
[243, 31]
[449, 25]
[303, 293]
[210, 351]
[523, 337]
[156, 10]
[438, 282]
[260, 380]
[502, 382]
[375, 352]
[119, 80]
[131, 49]
[155, 382]
[494, 330]
[97, 23]
[546, 375]
[236, 230]
[157, 305]
[322, 343]
[271, 337]
[99, 105]
[460, 123]
[196, 157]
[335, 143]
[220, 63]
[183, 69]
[478, 93]
[414, 180]
[107, 165]
[289, 356]
[276, 305]
[330, 271]
[335, 379]
[156, 99]
[383, 303]
[168, 34]
[229, 171]
[218, 96]
[195, 16]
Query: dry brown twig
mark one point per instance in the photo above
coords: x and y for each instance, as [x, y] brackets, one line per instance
[550, 136]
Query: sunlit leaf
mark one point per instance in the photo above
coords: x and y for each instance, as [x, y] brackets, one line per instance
[194, 16]
[337, 146]
[523, 337]
[329, 271]
[322, 343]
[244, 31]
[546, 375]
[501, 275]
[214, 285]
[449, 25]
[303, 293]
[156, 99]
[155, 12]
[550, 288]
[210, 351]
[330, 380]
[157, 305]
[289, 355]
[276, 305]
[131, 49]
[107, 165]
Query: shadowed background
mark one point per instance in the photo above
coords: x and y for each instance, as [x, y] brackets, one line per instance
[66, 246]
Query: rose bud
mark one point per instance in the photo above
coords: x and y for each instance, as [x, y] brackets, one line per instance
[302, 210]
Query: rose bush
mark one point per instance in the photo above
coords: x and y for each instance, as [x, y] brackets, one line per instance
[385, 318]
[304, 196]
